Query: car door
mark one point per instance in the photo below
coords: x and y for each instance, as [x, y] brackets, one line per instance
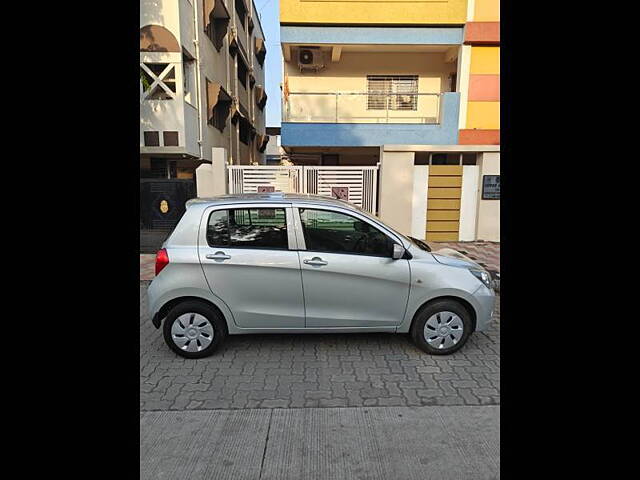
[248, 256]
[349, 277]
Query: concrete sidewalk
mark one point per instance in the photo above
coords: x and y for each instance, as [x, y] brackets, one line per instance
[457, 442]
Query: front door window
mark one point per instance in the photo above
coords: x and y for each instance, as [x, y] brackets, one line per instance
[334, 232]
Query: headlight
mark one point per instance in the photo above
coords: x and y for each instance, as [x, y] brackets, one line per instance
[483, 276]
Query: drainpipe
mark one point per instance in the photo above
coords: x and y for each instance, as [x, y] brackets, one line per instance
[196, 43]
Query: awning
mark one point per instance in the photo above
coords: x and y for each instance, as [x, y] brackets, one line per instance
[261, 96]
[214, 9]
[238, 112]
[215, 95]
[259, 92]
[261, 142]
[261, 50]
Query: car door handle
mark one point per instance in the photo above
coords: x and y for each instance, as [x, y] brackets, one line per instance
[315, 261]
[219, 256]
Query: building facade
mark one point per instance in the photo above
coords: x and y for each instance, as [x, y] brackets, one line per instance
[201, 86]
[201, 83]
[364, 78]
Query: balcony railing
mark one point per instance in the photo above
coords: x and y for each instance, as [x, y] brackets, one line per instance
[343, 107]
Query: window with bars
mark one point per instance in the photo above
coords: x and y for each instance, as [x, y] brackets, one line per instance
[392, 92]
[158, 81]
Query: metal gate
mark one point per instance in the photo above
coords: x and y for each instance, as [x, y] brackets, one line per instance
[358, 185]
[162, 204]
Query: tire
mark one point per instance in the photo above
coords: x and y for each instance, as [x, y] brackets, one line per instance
[194, 329]
[452, 316]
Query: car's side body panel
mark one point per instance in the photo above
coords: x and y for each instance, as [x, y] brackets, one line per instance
[268, 294]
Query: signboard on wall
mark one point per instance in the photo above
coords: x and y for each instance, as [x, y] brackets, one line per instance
[341, 193]
[266, 188]
[491, 187]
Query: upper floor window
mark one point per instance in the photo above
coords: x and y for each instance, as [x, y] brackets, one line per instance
[241, 10]
[392, 92]
[243, 71]
[216, 22]
[218, 105]
[158, 81]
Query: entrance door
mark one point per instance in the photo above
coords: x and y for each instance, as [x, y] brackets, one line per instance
[348, 274]
[443, 203]
[248, 257]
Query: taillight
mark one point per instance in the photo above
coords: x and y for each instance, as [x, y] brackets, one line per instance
[162, 260]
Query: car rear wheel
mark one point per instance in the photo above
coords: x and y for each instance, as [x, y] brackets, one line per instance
[442, 327]
[194, 329]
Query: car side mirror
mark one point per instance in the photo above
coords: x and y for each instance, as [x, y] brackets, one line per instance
[398, 251]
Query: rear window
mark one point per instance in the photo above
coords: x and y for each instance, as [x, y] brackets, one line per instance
[248, 228]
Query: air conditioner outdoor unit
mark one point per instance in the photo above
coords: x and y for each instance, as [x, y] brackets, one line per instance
[310, 59]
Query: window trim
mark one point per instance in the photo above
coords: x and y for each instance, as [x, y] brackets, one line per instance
[206, 214]
[300, 231]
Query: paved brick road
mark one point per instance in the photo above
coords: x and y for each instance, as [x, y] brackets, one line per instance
[267, 371]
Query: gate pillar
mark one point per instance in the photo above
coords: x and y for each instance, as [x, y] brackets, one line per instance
[211, 179]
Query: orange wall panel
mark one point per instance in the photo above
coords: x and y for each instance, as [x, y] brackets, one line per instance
[484, 88]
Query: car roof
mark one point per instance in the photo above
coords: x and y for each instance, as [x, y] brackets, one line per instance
[273, 197]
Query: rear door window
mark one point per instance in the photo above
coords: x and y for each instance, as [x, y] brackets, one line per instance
[248, 228]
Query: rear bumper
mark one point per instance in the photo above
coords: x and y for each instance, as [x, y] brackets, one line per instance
[154, 308]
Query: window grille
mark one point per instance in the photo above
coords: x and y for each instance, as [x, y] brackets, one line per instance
[392, 92]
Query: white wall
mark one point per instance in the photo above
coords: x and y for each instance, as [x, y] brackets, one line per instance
[488, 210]
[419, 201]
[469, 203]
[396, 190]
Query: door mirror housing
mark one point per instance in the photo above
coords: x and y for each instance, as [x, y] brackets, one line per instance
[398, 251]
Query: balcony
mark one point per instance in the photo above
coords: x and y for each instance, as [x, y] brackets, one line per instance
[362, 119]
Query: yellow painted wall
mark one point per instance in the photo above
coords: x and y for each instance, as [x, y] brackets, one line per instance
[350, 75]
[483, 115]
[485, 60]
[418, 12]
[486, 11]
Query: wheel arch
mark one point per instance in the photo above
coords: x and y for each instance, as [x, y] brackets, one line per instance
[166, 308]
[462, 301]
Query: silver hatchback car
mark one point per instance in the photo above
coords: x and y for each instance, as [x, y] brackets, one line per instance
[283, 263]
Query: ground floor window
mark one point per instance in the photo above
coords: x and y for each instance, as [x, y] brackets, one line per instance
[453, 158]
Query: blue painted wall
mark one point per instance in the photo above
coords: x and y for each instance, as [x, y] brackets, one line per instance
[373, 35]
[377, 134]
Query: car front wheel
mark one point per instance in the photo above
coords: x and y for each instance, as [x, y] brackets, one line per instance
[194, 329]
[442, 327]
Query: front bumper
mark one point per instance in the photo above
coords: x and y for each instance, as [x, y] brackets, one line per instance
[486, 301]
